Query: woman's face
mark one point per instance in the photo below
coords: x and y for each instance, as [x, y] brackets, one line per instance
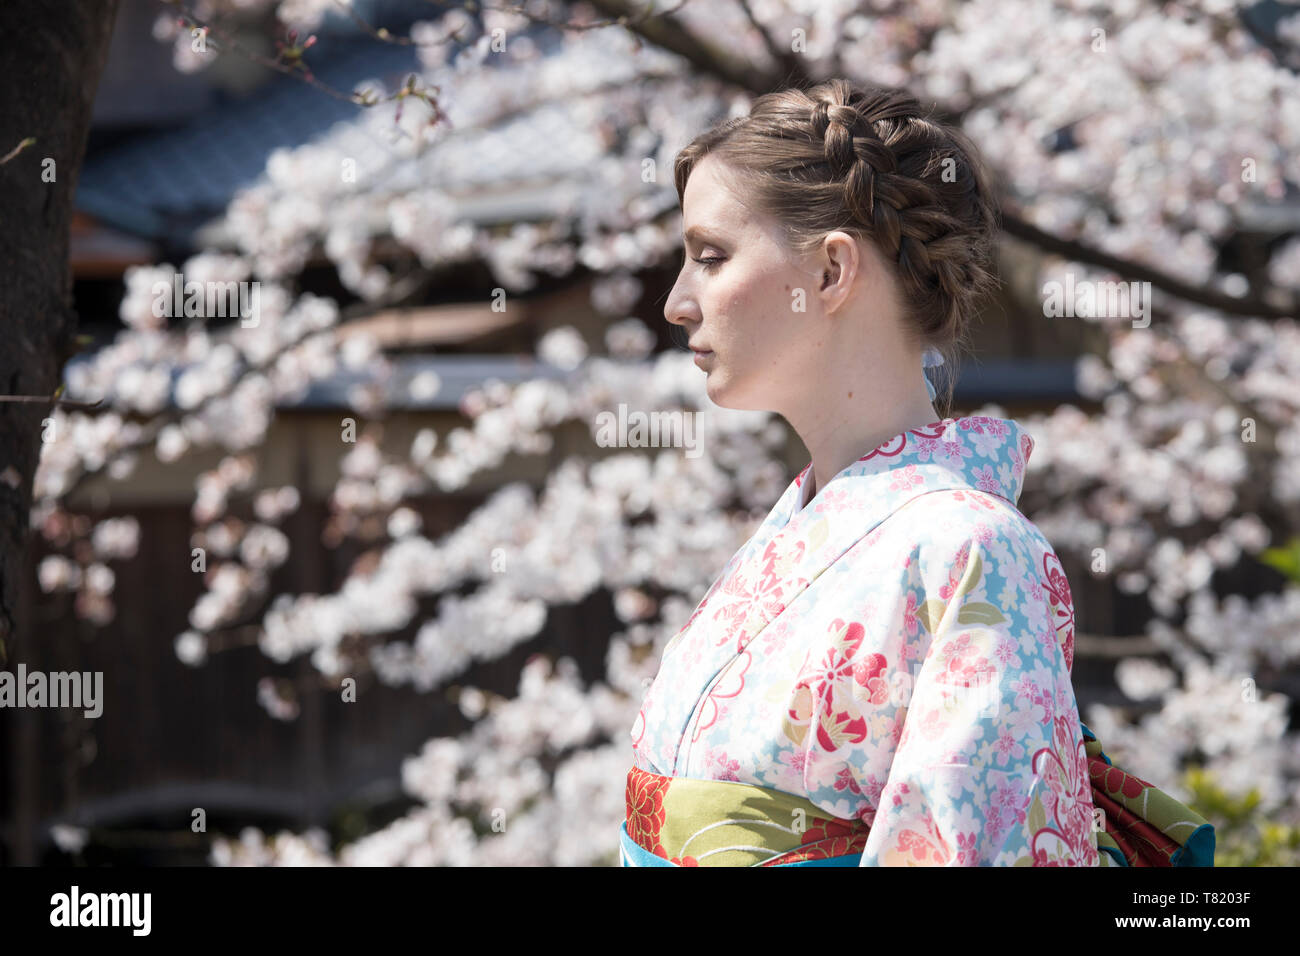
[749, 304]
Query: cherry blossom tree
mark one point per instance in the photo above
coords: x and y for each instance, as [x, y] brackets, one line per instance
[1134, 144]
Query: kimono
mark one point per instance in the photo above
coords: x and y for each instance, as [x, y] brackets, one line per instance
[880, 676]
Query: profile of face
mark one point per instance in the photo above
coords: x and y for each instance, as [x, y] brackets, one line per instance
[756, 317]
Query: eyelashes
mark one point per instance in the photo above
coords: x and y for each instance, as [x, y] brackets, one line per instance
[710, 263]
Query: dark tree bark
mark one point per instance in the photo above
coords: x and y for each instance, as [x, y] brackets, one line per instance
[53, 52]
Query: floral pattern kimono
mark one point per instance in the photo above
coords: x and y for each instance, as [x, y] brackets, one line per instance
[892, 660]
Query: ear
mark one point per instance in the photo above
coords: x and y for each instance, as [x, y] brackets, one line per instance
[842, 263]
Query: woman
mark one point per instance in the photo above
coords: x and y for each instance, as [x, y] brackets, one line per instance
[881, 674]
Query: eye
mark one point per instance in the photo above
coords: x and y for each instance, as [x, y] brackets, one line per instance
[710, 262]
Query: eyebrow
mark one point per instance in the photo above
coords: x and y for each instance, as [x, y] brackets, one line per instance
[699, 232]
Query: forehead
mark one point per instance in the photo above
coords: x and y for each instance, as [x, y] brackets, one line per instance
[708, 202]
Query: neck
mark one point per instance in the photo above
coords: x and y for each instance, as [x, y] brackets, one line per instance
[853, 427]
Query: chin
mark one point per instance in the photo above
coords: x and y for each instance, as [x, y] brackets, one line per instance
[716, 388]
[725, 394]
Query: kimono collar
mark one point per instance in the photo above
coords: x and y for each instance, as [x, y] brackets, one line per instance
[798, 541]
[982, 453]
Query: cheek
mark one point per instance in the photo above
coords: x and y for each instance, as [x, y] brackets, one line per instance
[734, 292]
[758, 303]
[777, 307]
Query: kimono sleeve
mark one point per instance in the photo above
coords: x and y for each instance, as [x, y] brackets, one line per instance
[990, 767]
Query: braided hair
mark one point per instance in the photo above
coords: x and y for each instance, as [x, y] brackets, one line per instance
[873, 163]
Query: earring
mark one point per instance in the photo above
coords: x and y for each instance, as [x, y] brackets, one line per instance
[929, 359]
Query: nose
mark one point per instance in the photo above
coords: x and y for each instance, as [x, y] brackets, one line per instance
[679, 309]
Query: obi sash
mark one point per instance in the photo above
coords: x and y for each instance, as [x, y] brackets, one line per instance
[683, 821]
[1144, 826]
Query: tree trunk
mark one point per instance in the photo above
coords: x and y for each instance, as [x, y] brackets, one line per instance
[53, 53]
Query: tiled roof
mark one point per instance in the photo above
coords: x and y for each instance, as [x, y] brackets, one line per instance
[534, 163]
[164, 184]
